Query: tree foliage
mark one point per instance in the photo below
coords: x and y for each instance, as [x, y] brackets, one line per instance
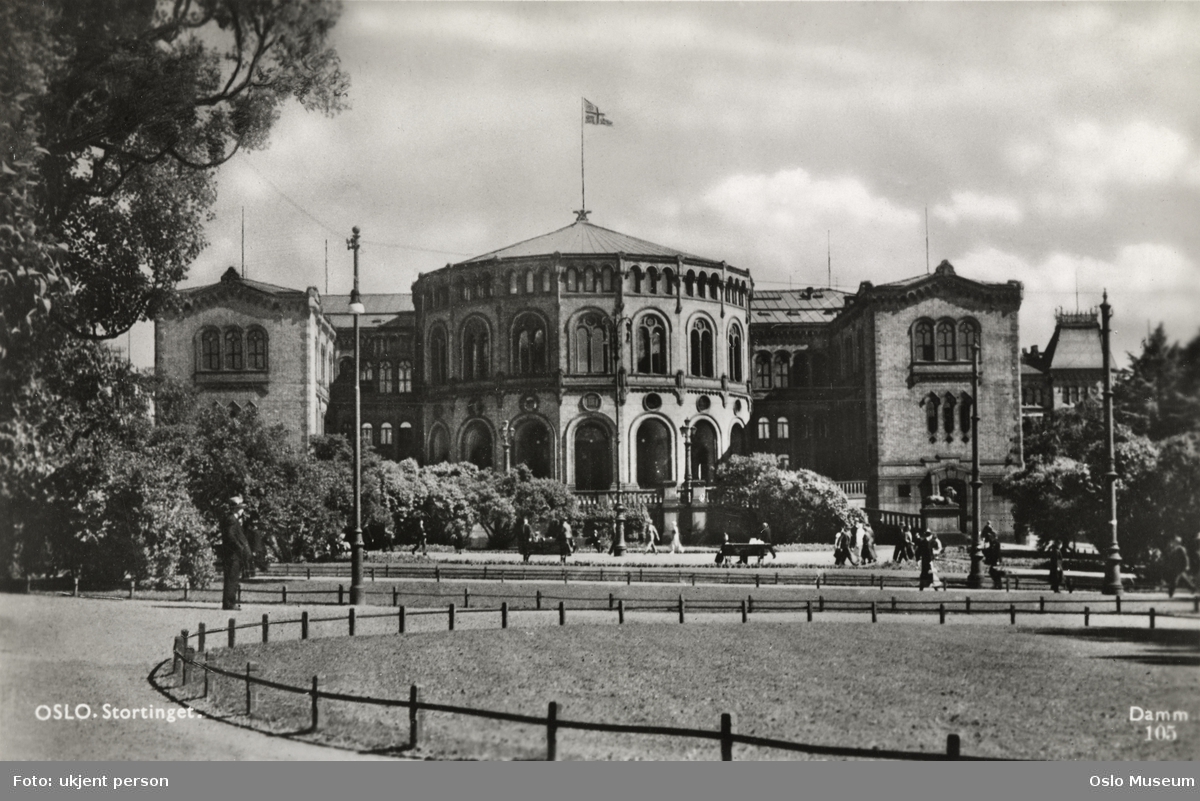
[115, 115]
[1160, 396]
[799, 505]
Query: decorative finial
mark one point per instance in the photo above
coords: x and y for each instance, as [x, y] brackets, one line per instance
[581, 215]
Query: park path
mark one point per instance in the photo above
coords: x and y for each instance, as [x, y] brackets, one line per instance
[64, 650]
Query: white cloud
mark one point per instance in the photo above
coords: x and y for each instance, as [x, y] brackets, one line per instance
[976, 207]
[1147, 283]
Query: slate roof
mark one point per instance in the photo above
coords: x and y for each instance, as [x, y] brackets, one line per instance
[796, 305]
[583, 238]
[382, 310]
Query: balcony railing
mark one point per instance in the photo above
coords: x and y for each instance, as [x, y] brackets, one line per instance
[607, 499]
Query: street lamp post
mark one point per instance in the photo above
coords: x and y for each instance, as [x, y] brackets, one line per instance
[356, 544]
[505, 434]
[687, 460]
[975, 577]
[1112, 566]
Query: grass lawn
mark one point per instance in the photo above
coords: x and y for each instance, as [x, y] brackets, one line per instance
[1035, 692]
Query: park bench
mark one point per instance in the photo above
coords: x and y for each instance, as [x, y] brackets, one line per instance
[743, 551]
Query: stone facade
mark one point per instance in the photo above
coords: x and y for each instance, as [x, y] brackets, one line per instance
[244, 344]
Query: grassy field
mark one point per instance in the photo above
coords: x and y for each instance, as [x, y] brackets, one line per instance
[1049, 691]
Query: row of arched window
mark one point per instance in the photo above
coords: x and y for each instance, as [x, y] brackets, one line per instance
[948, 414]
[945, 340]
[591, 348]
[382, 377]
[650, 281]
[785, 369]
[231, 348]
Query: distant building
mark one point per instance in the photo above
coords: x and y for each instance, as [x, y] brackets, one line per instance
[1069, 370]
[612, 363]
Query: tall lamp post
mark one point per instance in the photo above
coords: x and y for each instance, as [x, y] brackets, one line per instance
[975, 577]
[506, 435]
[356, 545]
[1112, 566]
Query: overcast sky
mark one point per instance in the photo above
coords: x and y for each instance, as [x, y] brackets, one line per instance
[1054, 144]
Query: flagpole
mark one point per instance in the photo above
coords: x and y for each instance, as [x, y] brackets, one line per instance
[582, 178]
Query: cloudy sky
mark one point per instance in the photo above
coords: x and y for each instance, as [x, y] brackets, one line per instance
[1054, 144]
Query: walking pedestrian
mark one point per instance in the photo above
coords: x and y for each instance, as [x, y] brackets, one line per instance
[991, 554]
[1179, 567]
[764, 534]
[929, 547]
[422, 543]
[868, 545]
[841, 548]
[525, 539]
[676, 543]
[236, 551]
[1056, 568]
[651, 537]
[903, 546]
[563, 534]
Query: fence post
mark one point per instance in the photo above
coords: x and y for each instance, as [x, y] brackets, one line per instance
[304, 625]
[283, 594]
[189, 654]
[485, 572]
[437, 573]
[968, 605]
[640, 579]
[75, 589]
[743, 610]
[251, 688]
[628, 578]
[873, 618]
[552, 732]
[562, 613]
[1152, 617]
[750, 603]
[681, 607]
[941, 613]
[693, 579]
[205, 674]
[316, 711]
[776, 576]
[504, 614]
[808, 610]
[1012, 614]
[728, 721]
[266, 627]
[1006, 584]
[341, 593]
[200, 634]
[602, 574]
[1042, 604]
[187, 586]
[395, 596]
[1117, 598]
[621, 611]
[538, 599]
[400, 618]
[350, 620]
[416, 717]
[881, 581]
[308, 573]
[953, 746]
[893, 603]
[466, 598]
[387, 570]
[818, 581]
[450, 616]
[757, 580]
[1087, 614]
[564, 575]
[820, 603]
[232, 632]
[610, 600]
[176, 649]
[372, 575]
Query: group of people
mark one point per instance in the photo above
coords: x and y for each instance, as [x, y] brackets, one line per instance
[652, 538]
[559, 530]
[854, 544]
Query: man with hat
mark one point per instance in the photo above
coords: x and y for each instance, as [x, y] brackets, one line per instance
[236, 551]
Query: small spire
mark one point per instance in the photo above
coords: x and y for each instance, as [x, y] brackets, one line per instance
[581, 215]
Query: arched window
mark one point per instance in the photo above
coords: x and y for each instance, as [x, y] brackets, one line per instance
[762, 371]
[652, 280]
[386, 380]
[593, 457]
[653, 454]
[512, 283]
[764, 428]
[367, 377]
[735, 354]
[968, 335]
[438, 357]
[782, 370]
[439, 446]
[591, 345]
[606, 279]
[210, 349]
[385, 434]
[704, 452]
[782, 431]
[701, 284]
[529, 345]
[368, 435]
[346, 369]
[477, 445]
[931, 404]
[689, 283]
[256, 345]
[714, 285]
[948, 418]
[589, 279]
[404, 377]
[529, 282]
[651, 346]
[922, 338]
[234, 359]
[945, 341]
[964, 416]
[572, 280]
[476, 350]
[636, 275]
[531, 447]
[701, 347]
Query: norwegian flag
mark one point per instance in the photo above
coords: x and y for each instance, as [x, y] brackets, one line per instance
[593, 115]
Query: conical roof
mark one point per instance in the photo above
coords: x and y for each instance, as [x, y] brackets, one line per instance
[583, 238]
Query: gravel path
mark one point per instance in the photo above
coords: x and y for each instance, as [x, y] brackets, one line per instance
[62, 650]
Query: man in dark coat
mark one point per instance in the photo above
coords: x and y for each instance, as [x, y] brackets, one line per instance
[764, 534]
[1056, 568]
[236, 551]
[1178, 567]
[525, 539]
[991, 554]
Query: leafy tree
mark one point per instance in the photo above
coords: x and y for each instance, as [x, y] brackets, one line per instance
[799, 505]
[1160, 397]
[116, 114]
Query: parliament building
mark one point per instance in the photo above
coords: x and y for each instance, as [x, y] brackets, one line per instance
[615, 364]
